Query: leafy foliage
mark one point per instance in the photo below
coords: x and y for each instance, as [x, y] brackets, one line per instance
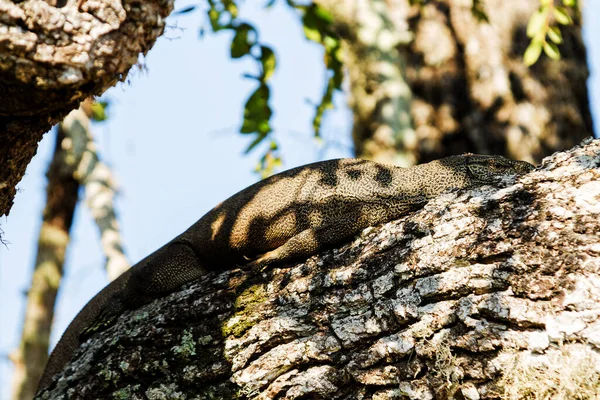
[318, 28]
[544, 35]
[223, 16]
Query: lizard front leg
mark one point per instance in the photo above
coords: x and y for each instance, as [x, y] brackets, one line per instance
[309, 242]
[338, 230]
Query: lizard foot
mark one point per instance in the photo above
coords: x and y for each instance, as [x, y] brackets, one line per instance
[259, 263]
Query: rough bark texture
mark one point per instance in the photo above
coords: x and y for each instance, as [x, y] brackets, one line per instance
[470, 88]
[54, 55]
[471, 297]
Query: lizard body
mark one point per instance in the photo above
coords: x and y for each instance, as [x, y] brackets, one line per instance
[286, 217]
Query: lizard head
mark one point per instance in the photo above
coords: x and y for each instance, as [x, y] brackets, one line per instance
[489, 169]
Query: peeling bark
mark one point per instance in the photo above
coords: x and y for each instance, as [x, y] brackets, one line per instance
[54, 55]
[483, 294]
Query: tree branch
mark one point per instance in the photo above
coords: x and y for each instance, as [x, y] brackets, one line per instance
[467, 297]
[52, 56]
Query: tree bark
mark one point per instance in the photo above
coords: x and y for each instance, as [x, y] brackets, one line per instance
[484, 293]
[55, 54]
[452, 84]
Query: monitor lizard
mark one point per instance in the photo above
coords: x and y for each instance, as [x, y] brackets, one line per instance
[286, 217]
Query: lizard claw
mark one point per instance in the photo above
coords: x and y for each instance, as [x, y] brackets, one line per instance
[255, 264]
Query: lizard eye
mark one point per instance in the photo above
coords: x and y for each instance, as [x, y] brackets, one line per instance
[495, 164]
[485, 169]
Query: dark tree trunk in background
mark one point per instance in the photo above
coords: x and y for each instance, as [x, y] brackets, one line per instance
[471, 91]
[75, 164]
[61, 199]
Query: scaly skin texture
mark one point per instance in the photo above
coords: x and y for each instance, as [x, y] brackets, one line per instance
[289, 216]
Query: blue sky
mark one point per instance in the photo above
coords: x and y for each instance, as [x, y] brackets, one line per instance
[173, 144]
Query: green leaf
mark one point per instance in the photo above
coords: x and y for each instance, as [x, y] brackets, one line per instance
[214, 16]
[326, 103]
[316, 21]
[323, 15]
[99, 111]
[257, 140]
[312, 34]
[317, 28]
[570, 3]
[223, 15]
[268, 61]
[264, 125]
[311, 30]
[561, 15]
[242, 40]
[331, 43]
[231, 8]
[257, 112]
[555, 35]
[532, 53]
[551, 50]
[537, 21]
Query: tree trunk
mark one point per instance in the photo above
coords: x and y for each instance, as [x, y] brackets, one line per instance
[75, 163]
[471, 91]
[53, 55]
[380, 96]
[484, 293]
[61, 199]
